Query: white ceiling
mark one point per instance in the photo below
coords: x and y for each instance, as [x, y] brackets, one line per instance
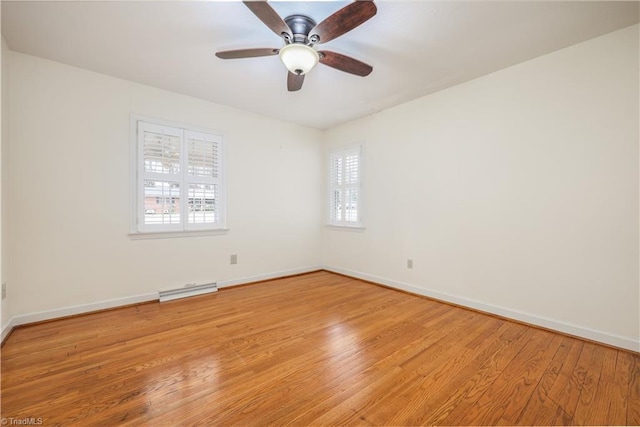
[415, 47]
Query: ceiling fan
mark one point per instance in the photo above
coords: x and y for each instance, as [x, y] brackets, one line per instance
[300, 34]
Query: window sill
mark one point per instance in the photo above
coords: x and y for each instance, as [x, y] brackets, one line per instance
[175, 234]
[355, 228]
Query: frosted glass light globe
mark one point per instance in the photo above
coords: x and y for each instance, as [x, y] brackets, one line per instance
[299, 58]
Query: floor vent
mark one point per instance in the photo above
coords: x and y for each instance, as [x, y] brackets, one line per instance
[188, 291]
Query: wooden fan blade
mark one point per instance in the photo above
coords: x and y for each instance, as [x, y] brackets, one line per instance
[344, 63]
[343, 21]
[246, 53]
[269, 17]
[294, 81]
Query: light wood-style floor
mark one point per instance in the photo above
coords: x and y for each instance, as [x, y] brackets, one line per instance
[317, 349]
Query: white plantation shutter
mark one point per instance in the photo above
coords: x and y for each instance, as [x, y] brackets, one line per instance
[345, 187]
[179, 179]
[161, 150]
[203, 179]
[204, 154]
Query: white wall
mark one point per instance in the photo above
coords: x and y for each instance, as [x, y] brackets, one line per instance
[69, 154]
[516, 193]
[4, 75]
[5, 306]
[5, 188]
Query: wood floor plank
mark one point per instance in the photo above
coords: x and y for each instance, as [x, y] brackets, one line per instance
[316, 349]
[566, 389]
[540, 409]
[589, 386]
[513, 387]
[425, 401]
[633, 407]
[432, 337]
[605, 394]
[478, 374]
[407, 379]
[543, 407]
[617, 414]
[434, 331]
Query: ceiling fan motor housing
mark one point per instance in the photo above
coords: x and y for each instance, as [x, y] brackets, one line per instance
[300, 26]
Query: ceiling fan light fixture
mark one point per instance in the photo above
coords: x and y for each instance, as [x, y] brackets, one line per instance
[299, 58]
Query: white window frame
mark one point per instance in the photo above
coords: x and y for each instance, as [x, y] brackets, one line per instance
[138, 230]
[343, 224]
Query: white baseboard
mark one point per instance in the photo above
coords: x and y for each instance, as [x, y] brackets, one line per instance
[578, 331]
[25, 319]
[544, 322]
[6, 329]
[268, 276]
[57, 313]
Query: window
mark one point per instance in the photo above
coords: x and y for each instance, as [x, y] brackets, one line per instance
[345, 189]
[179, 179]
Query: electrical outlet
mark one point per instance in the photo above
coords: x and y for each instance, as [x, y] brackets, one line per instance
[4, 290]
[234, 259]
[409, 263]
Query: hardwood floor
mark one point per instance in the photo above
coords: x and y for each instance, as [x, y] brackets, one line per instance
[318, 349]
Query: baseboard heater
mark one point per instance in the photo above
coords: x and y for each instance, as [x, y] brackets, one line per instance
[188, 291]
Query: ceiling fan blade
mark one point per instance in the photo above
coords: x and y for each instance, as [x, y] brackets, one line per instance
[269, 17]
[343, 21]
[246, 53]
[294, 81]
[344, 63]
